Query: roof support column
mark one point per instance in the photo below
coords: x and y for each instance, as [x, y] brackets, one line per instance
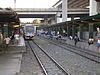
[69, 30]
[57, 17]
[52, 20]
[61, 30]
[64, 10]
[56, 30]
[98, 7]
[2, 26]
[80, 31]
[90, 30]
[14, 3]
[45, 20]
[73, 27]
[93, 7]
[5, 30]
[93, 11]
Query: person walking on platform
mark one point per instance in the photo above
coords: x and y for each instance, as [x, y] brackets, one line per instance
[90, 41]
[70, 37]
[16, 36]
[76, 39]
[12, 39]
[7, 41]
[98, 42]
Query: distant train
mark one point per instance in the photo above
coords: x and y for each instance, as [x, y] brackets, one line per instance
[29, 31]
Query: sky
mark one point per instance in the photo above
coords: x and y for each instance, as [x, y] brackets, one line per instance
[28, 3]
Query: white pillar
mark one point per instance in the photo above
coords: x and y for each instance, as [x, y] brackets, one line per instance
[93, 7]
[14, 3]
[58, 17]
[64, 10]
[53, 21]
[45, 20]
[98, 7]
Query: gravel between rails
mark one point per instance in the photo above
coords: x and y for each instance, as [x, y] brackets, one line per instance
[50, 66]
[73, 63]
[30, 65]
[84, 53]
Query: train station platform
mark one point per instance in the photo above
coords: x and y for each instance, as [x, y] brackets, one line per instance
[10, 64]
[10, 58]
[14, 48]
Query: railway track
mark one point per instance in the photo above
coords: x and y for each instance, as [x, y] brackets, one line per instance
[37, 59]
[50, 66]
[32, 58]
[84, 53]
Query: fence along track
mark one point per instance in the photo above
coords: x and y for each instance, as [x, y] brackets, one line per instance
[54, 62]
[40, 63]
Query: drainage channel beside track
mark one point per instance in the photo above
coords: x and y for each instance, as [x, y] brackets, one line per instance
[50, 65]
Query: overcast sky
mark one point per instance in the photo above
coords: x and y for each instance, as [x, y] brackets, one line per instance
[28, 3]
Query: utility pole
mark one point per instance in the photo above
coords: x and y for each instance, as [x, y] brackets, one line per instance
[64, 10]
[14, 3]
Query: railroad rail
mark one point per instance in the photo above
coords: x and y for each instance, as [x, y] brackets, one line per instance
[84, 53]
[50, 66]
[40, 63]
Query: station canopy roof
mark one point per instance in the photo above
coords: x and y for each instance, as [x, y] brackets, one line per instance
[77, 22]
[7, 15]
[98, 0]
[90, 19]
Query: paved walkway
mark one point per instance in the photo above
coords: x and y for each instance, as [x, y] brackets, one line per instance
[10, 64]
[10, 59]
